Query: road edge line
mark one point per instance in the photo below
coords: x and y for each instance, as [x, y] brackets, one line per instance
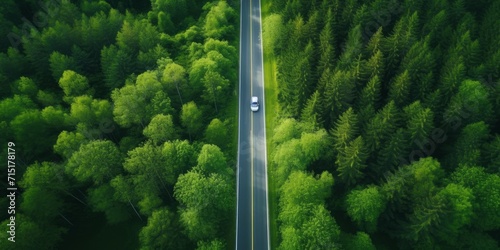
[265, 132]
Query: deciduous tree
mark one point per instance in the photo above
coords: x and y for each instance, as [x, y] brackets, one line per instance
[59, 63]
[175, 75]
[190, 118]
[69, 142]
[212, 160]
[160, 129]
[485, 189]
[216, 133]
[218, 21]
[25, 86]
[364, 206]
[97, 161]
[149, 175]
[206, 199]
[162, 232]
[180, 156]
[102, 199]
[469, 105]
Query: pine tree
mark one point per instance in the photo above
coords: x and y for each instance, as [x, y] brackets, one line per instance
[352, 50]
[304, 80]
[467, 48]
[424, 222]
[399, 89]
[326, 45]
[351, 160]
[345, 130]
[339, 93]
[116, 65]
[452, 75]
[389, 157]
[375, 66]
[420, 64]
[312, 111]
[375, 43]
[490, 41]
[437, 28]
[381, 127]
[369, 100]
[346, 16]
[397, 44]
[312, 27]
[419, 122]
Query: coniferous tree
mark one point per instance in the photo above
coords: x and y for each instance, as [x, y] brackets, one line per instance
[374, 44]
[489, 40]
[420, 64]
[399, 89]
[352, 49]
[351, 160]
[401, 39]
[374, 66]
[345, 130]
[295, 74]
[381, 126]
[312, 111]
[326, 45]
[419, 122]
[369, 100]
[436, 28]
[389, 157]
[338, 95]
[452, 75]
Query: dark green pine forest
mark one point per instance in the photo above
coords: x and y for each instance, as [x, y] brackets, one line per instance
[388, 132]
[124, 118]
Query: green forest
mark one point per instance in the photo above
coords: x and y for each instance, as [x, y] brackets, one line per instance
[123, 115]
[388, 133]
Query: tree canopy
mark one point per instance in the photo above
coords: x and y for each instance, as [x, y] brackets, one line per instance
[407, 92]
[109, 104]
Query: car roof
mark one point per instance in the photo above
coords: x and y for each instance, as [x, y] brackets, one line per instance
[255, 99]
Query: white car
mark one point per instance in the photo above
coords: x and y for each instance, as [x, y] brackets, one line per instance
[254, 106]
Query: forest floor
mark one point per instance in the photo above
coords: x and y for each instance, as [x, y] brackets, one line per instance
[92, 232]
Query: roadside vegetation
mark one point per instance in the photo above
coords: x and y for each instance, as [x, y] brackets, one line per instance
[272, 111]
[124, 119]
[387, 130]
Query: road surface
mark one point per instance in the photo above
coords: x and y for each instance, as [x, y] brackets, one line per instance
[252, 223]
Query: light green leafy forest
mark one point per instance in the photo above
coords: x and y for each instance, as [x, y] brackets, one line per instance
[123, 115]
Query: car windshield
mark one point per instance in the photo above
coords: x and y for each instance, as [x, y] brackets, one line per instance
[254, 104]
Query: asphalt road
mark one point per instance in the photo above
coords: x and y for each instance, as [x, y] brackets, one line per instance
[252, 218]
